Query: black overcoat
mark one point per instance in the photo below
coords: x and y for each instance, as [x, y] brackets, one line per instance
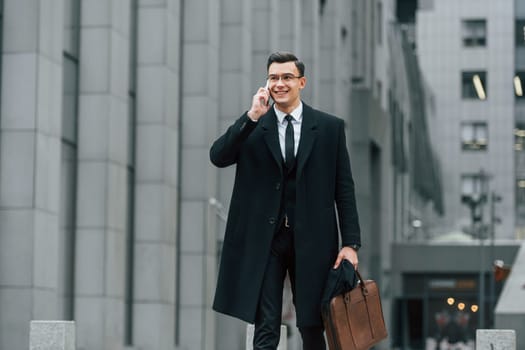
[323, 179]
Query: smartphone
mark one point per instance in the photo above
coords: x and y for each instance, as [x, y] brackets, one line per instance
[267, 89]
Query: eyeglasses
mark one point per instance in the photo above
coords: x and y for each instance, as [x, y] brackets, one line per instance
[286, 78]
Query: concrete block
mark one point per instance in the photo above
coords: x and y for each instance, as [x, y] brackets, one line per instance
[49, 96]
[154, 278]
[197, 77]
[192, 277]
[16, 311]
[92, 195]
[192, 327]
[192, 226]
[96, 42]
[249, 338]
[117, 196]
[151, 94]
[495, 339]
[154, 329]
[115, 269]
[150, 152]
[119, 69]
[20, 28]
[96, 13]
[149, 225]
[173, 38]
[19, 72]
[45, 250]
[195, 173]
[89, 279]
[195, 129]
[52, 335]
[119, 131]
[16, 249]
[94, 112]
[152, 35]
[17, 161]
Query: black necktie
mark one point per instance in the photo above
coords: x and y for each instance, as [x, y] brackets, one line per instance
[289, 143]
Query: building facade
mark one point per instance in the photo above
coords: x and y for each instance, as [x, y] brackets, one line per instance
[465, 51]
[467, 56]
[111, 214]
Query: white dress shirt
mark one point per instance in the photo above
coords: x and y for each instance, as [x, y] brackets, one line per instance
[297, 119]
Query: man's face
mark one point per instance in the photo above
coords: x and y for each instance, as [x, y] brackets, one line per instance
[285, 85]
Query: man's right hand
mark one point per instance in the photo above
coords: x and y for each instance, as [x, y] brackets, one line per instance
[260, 104]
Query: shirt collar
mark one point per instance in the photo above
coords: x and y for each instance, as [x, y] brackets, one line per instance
[297, 113]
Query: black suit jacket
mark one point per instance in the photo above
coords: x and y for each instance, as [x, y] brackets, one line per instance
[324, 182]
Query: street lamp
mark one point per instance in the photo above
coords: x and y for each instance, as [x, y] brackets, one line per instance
[494, 220]
[474, 195]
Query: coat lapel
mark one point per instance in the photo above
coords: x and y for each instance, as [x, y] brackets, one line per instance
[271, 136]
[308, 137]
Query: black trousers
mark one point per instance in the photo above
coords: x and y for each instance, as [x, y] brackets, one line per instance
[268, 319]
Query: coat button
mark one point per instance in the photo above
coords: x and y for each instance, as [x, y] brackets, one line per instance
[271, 220]
[278, 186]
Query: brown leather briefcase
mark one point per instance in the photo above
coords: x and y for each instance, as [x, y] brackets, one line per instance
[354, 320]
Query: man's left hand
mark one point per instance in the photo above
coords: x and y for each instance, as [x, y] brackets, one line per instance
[349, 254]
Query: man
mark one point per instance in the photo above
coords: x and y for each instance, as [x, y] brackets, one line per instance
[292, 166]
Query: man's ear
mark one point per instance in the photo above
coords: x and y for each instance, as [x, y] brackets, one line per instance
[303, 83]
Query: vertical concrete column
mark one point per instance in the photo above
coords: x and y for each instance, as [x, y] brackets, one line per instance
[200, 109]
[52, 335]
[343, 59]
[358, 112]
[235, 93]
[265, 38]
[30, 132]
[330, 32]
[158, 76]
[290, 26]
[102, 173]
[310, 21]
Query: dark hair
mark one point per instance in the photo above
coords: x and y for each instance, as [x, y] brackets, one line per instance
[283, 57]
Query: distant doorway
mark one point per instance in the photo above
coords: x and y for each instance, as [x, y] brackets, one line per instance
[439, 311]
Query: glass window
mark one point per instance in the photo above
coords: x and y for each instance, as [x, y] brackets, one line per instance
[474, 32]
[519, 85]
[474, 136]
[520, 32]
[474, 85]
[519, 138]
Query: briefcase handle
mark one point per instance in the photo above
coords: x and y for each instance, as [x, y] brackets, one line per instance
[361, 283]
